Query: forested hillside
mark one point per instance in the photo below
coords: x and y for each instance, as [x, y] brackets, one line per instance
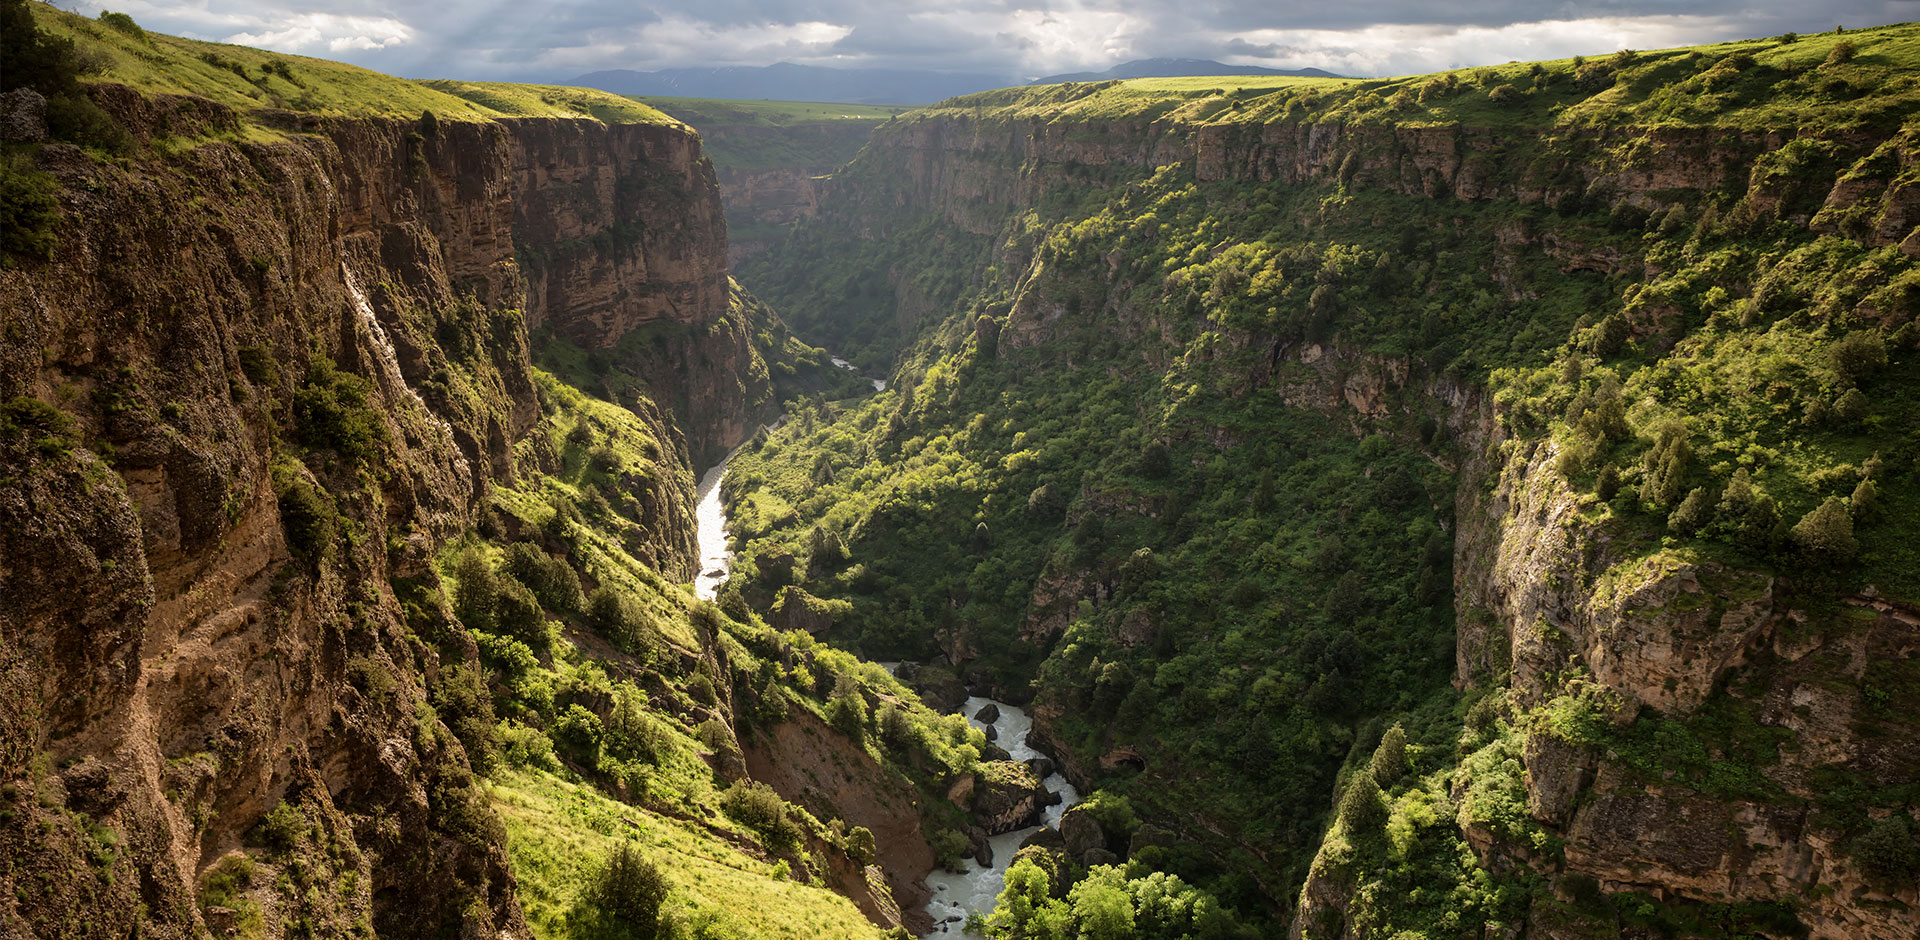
[1471, 501]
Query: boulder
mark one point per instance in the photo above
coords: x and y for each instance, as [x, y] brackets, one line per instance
[23, 116]
[1081, 834]
[988, 714]
[1008, 797]
[1042, 767]
[1146, 836]
[1045, 837]
[992, 733]
[1100, 857]
[939, 687]
[960, 792]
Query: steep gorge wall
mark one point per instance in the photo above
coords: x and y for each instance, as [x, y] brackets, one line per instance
[1540, 590]
[172, 664]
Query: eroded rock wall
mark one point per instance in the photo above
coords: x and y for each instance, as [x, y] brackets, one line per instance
[178, 655]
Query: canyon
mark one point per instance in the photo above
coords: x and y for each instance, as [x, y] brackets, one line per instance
[1398, 511]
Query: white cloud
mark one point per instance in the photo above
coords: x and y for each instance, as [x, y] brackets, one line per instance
[1409, 49]
[303, 32]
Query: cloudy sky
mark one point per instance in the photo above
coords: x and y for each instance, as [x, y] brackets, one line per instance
[554, 40]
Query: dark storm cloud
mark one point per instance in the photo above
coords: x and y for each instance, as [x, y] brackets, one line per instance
[555, 40]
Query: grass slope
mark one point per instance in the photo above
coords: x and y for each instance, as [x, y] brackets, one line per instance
[1788, 81]
[554, 825]
[245, 78]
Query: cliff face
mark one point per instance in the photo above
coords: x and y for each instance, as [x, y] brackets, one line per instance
[763, 204]
[622, 227]
[181, 652]
[1560, 602]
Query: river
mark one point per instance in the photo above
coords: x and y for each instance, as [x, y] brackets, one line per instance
[955, 895]
[975, 889]
[879, 385]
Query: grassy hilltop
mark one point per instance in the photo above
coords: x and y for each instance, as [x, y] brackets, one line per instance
[115, 49]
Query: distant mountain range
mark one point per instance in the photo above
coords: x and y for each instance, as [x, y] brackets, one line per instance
[786, 81]
[1168, 68]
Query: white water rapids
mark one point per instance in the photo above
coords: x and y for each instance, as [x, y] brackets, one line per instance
[710, 526]
[957, 895]
[879, 385]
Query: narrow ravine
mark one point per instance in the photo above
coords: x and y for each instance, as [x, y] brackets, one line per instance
[955, 895]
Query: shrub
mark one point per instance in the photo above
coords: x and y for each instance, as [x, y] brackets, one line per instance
[1503, 94]
[47, 64]
[29, 211]
[552, 580]
[28, 418]
[517, 613]
[332, 411]
[860, 845]
[463, 703]
[124, 24]
[473, 603]
[1857, 355]
[1865, 496]
[307, 517]
[1692, 515]
[1888, 852]
[1841, 53]
[618, 617]
[256, 363]
[282, 827]
[580, 732]
[1362, 808]
[847, 712]
[1390, 758]
[526, 747]
[754, 805]
[630, 888]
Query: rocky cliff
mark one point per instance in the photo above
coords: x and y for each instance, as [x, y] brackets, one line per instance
[258, 383]
[1677, 700]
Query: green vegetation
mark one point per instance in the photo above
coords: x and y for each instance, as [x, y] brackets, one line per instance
[1856, 81]
[711, 889]
[514, 100]
[115, 49]
[1173, 447]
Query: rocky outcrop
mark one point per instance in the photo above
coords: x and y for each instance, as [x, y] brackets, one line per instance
[620, 225]
[188, 655]
[1007, 796]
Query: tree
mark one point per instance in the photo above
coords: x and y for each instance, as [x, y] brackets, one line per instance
[1857, 355]
[630, 888]
[473, 603]
[1692, 514]
[1865, 496]
[1102, 906]
[847, 712]
[1363, 810]
[1666, 466]
[1826, 533]
[517, 613]
[1390, 758]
